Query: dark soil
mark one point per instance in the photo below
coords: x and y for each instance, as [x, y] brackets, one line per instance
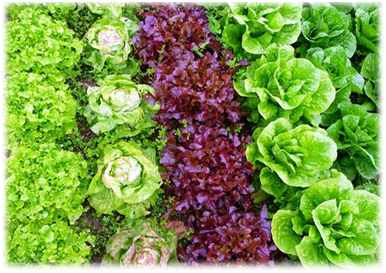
[84, 129]
[100, 228]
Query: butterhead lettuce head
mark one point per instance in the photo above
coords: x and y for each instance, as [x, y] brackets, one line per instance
[117, 104]
[147, 244]
[109, 41]
[126, 181]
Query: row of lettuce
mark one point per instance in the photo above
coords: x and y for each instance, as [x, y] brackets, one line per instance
[78, 126]
[45, 184]
[315, 108]
[208, 175]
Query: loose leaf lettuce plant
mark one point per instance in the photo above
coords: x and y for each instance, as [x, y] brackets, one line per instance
[280, 85]
[290, 156]
[52, 243]
[334, 224]
[40, 109]
[147, 244]
[44, 183]
[127, 181]
[36, 43]
[118, 104]
[45, 192]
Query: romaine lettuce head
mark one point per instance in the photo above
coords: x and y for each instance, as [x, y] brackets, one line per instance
[117, 104]
[370, 70]
[286, 87]
[295, 157]
[345, 78]
[356, 133]
[367, 25]
[249, 28]
[325, 26]
[147, 244]
[334, 224]
[109, 41]
[126, 181]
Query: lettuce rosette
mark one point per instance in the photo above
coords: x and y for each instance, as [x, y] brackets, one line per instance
[147, 244]
[334, 224]
[118, 104]
[344, 76]
[108, 41]
[127, 181]
[323, 25]
[290, 156]
[367, 23]
[250, 28]
[280, 85]
[356, 133]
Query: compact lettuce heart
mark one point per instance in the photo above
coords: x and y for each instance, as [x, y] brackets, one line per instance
[126, 181]
[147, 244]
[335, 224]
[295, 157]
[356, 134]
[117, 104]
[280, 85]
[109, 41]
[324, 26]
